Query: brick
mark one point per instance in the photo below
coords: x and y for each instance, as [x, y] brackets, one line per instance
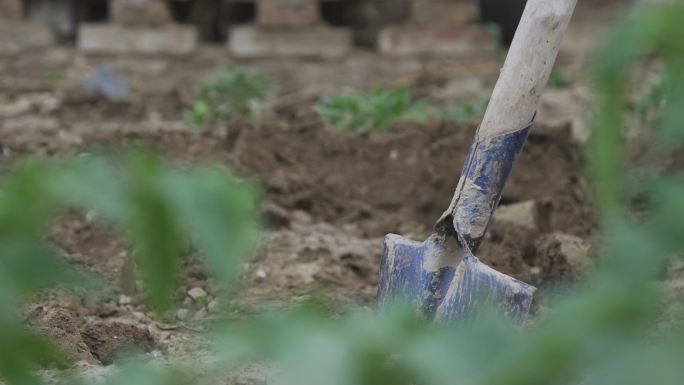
[287, 12]
[317, 41]
[457, 40]
[11, 10]
[442, 11]
[17, 36]
[111, 38]
[143, 13]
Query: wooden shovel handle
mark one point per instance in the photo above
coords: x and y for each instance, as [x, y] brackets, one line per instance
[527, 67]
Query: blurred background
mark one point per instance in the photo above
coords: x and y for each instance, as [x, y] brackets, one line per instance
[341, 121]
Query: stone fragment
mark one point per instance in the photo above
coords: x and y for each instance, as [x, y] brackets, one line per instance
[106, 83]
[261, 274]
[197, 294]
[530, 215]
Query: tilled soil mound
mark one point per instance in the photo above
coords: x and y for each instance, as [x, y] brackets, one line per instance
[348, 189]
[404, 179]
[367, 185]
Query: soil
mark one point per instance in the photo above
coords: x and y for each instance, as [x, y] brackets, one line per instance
[319, 180]
[329, 198]
[361, 183]
[92, 340]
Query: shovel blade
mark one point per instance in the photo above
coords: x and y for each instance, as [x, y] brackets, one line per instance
[404, 278]
[477, 286]
[461, 291]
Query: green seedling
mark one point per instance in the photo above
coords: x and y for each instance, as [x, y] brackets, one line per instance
[233, 93]
[465, 112]
[373, 111]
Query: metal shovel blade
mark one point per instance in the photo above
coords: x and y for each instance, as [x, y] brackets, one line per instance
[441, 275]
[446, 282]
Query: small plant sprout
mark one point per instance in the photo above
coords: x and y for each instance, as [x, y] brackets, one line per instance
[465, 112]
[234, 92]
[372, 111]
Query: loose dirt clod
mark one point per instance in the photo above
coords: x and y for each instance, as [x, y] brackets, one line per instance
[109, 339]
[562, 257]
[64, 327]
[314, 258]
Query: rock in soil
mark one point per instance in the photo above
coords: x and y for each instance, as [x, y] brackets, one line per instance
[562, 257]
[531, 214]
[197, 294]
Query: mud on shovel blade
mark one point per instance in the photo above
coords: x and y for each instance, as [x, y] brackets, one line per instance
[441, 277]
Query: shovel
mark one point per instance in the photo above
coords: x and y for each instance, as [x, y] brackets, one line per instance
[441, 277]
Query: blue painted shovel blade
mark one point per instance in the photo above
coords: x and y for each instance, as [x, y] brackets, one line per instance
[403, 274]
[445, 283]
[441, 276]
[476, 285]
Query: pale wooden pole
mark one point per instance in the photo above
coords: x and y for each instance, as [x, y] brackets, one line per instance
[527, 67]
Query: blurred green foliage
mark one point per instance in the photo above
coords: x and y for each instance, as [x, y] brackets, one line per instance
[373, 111]
[234, 92]
[605, 331]
[651, 102]
[161, 210]
[558, 79]
[465, 112]
[379, 109]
